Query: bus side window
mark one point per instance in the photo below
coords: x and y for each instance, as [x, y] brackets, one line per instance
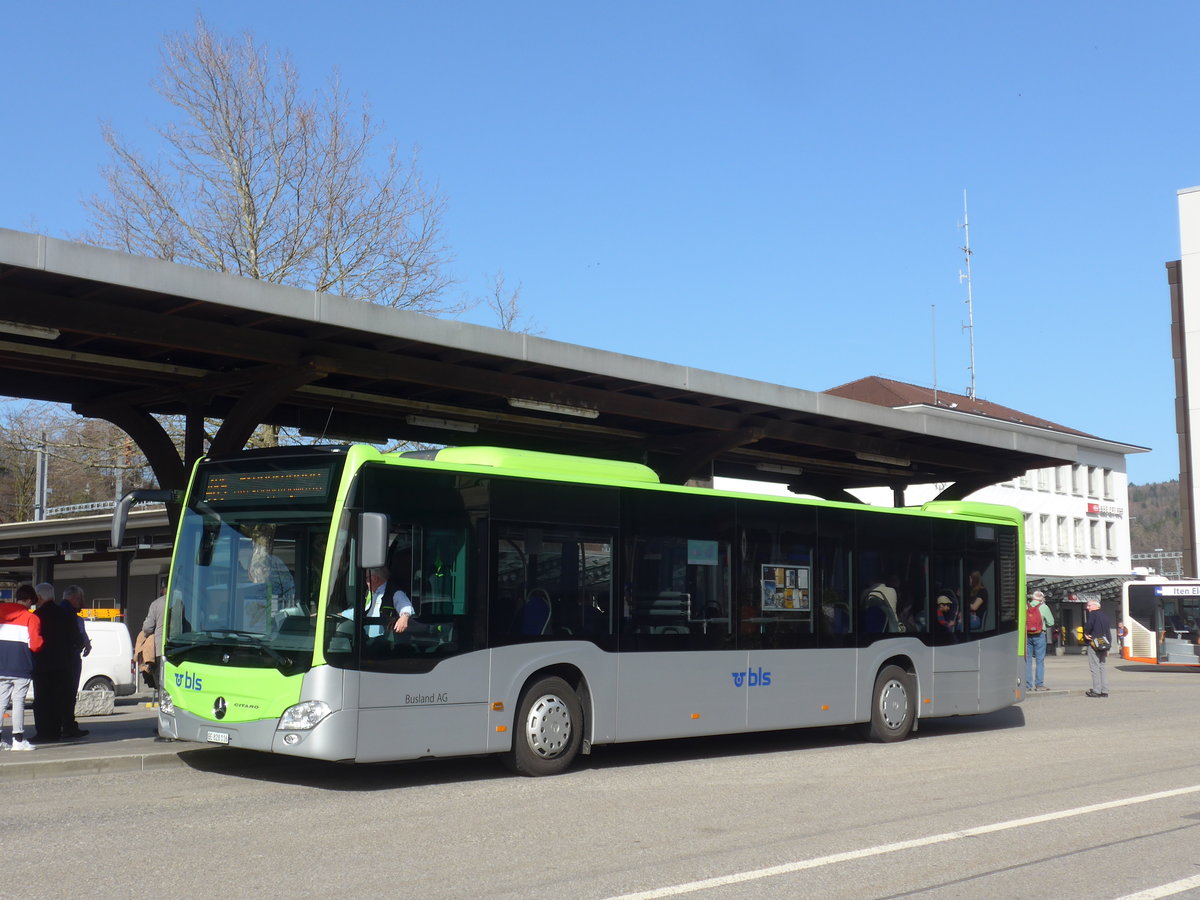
[550, 582]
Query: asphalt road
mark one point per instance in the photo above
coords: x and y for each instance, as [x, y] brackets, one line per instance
[1061, 797]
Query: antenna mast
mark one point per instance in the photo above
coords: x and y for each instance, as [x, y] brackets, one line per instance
[970, 326]
[933, 335]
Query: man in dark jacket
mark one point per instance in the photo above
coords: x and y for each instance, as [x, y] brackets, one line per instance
[1097, 635]
[55, 676]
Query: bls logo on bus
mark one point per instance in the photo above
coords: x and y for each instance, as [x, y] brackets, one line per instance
[752, 678]
[187, 680]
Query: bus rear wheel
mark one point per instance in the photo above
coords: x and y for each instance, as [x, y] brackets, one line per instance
[548, 729]
[893, 705]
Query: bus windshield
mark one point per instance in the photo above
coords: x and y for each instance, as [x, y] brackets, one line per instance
[244, 587]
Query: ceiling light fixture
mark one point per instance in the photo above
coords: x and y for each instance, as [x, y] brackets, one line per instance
[880, 458]
[33, 331]
[559, 408]
[443, 424]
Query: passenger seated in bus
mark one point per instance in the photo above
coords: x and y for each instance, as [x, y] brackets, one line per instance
[879, 609]
[977, 599]
[947, 611]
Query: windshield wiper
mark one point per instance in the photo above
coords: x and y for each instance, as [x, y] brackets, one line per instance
[242, 639]
[256, 640]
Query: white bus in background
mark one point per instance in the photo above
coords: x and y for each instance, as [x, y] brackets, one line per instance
[1163, 618]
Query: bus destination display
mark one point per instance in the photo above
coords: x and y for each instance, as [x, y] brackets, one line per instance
[265, 487]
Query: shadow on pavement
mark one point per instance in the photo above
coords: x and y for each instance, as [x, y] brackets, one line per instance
[356, 777]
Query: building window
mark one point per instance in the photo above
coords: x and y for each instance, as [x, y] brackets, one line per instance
[1064, 543]
[1080, 546]
[1043, 479]
[1108, 484]
[1077, 480]
[1044, 529]
[1026, 482]
[1094, 542]
[1060, 479]
[1110, 538]
[1093, 481]
[1029, 536]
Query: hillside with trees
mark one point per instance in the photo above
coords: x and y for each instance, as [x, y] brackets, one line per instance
[1155, 519]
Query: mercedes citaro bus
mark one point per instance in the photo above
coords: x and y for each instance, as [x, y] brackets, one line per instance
[561, 603]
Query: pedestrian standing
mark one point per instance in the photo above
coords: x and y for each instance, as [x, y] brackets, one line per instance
[1096, 634]
[54, 667]
[20, 639]
[152, 633]
[1038, 621]
[72, 602]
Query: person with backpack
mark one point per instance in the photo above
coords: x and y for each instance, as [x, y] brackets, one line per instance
[1038, 620]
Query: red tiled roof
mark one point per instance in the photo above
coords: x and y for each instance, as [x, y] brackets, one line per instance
[885, 392]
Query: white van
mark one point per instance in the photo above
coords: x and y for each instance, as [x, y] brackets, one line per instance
[110, 664]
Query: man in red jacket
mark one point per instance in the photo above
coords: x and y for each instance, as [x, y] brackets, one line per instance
[20, 638]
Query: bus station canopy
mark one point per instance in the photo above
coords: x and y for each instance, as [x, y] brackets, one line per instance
[126, 338]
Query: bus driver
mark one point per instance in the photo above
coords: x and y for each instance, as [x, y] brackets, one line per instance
[377, 579]
[398, 605]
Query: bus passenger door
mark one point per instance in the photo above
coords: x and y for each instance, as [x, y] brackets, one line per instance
[955, 650]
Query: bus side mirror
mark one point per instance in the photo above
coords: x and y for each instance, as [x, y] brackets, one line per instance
[372, 540]
[121, 513]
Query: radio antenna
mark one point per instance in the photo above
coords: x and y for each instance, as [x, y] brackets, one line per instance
[933, 338]
[325, 430]
[969, 328]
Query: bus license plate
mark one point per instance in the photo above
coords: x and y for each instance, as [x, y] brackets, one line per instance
[218, 737]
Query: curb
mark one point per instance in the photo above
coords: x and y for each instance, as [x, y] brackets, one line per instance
[95, 765]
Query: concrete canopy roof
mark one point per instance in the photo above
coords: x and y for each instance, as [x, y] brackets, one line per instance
[122, 337]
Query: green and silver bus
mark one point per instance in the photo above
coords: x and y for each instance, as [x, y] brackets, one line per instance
[563, 602]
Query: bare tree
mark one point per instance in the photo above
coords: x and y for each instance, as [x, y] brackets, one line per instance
[258, 180]
[507, 306]
[88, 460]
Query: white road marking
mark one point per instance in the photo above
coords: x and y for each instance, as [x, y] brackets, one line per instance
[880, 850]
[1165, 890]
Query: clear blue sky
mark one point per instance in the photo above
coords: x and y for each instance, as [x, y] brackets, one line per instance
[771, 190]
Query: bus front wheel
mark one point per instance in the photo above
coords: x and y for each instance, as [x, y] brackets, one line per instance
[893, 705]
[548, 729]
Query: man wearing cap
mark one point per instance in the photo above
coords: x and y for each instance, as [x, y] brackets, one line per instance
[1097, 630]
[1035, 642]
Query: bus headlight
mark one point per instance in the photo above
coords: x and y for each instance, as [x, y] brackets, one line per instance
[304, 716]
[166, 705]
